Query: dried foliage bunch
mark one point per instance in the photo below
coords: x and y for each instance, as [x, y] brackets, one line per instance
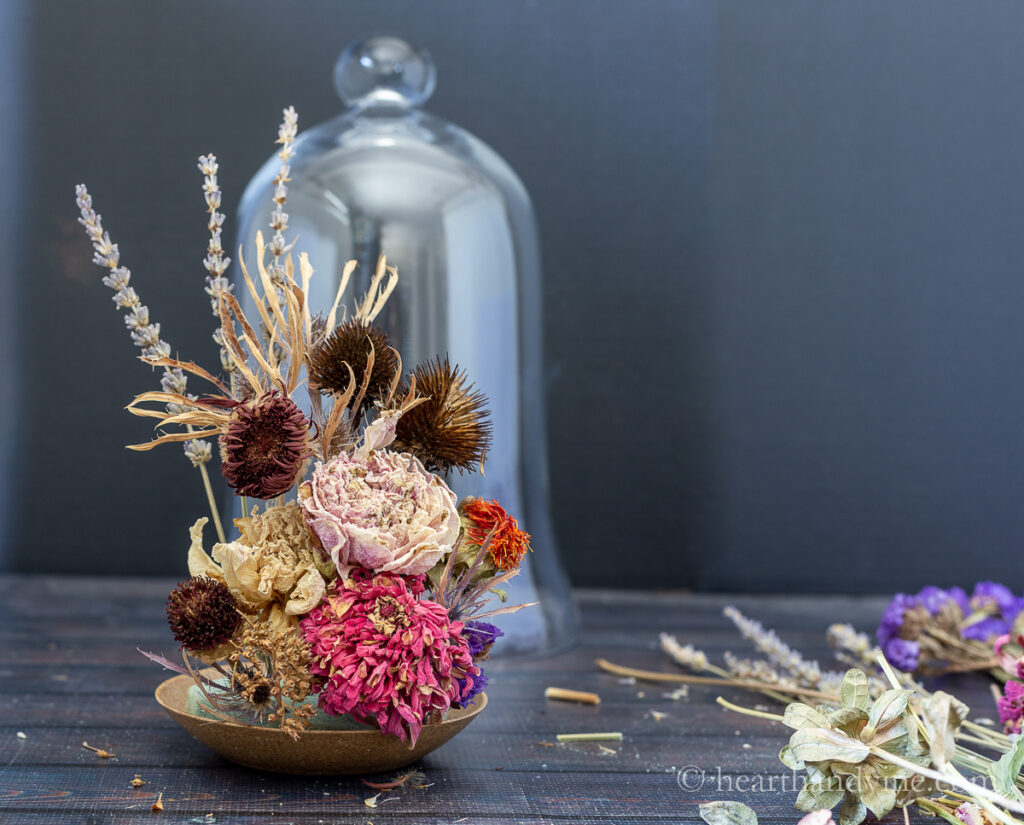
[360, 584]
[870, 738]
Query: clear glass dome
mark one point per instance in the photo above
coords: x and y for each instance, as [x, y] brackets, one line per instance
[449, 213]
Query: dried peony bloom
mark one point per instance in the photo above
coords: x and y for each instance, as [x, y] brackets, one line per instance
[202, 614]
[275, 564]
[265, 446]
[387, 654]
[382, 511]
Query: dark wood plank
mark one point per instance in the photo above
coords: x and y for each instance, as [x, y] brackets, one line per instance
[70, 671]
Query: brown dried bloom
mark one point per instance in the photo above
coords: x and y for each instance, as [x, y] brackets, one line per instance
[202, 613]
[451, 428]
[265, 446]
[350, 345]
[271, 670]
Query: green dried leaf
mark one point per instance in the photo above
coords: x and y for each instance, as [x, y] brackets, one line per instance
[942, 717]
[853, 692]
[878, 798]
[814, 797]
[890, 734]
[816, 775]
[853, 811]
[799, 716]
[825, 745]
[788, 758]
[887, 708]
[1005, 772]
[727, 813]
[850, 721]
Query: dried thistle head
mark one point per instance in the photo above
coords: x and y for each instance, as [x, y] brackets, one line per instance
[202, 614]
[350, 345]
[451, 428]
[265, 446]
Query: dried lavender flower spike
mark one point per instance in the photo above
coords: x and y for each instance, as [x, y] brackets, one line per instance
[215, 262]
[144, 333]
[688, 656]
[778, 652]
[279, 218]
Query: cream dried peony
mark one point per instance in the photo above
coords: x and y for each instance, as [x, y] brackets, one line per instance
[274, 565]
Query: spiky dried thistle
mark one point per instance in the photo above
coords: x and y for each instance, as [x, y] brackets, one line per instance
[451, 428]
[350, 345]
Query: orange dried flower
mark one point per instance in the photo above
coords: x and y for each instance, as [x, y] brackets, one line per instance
[508, 545]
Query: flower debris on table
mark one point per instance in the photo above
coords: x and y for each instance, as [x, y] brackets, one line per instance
[876, 739]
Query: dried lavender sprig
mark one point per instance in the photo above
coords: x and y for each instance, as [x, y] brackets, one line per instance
[215, 262]
[778, 652]
[852, 647]
[144, 333]
[688, 656]
[279, 218]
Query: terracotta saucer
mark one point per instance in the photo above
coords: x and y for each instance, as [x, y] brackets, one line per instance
[315, 752]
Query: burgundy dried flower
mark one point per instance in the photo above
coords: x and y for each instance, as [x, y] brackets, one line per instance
[265, 446]
[202, 613]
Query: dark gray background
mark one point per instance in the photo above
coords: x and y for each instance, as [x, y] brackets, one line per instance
[784, 268]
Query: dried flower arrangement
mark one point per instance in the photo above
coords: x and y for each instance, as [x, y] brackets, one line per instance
[872, 738]
[361, 584]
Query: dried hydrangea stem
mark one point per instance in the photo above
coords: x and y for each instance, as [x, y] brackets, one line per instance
[144, 333]
[215, 262]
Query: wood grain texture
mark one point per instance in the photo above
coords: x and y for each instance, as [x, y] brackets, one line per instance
[70, 672]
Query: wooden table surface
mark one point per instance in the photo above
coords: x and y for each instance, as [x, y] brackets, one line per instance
[71, 673]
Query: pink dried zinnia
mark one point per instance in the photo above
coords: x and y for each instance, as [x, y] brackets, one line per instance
[1011, 706]
[387, 655]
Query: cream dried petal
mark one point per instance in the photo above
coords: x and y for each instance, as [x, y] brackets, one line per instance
[307, 594]
[241, 573]
[199, 563]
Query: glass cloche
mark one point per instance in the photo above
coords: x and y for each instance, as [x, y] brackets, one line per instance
[449, 213]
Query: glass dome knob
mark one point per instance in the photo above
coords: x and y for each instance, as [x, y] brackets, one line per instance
[384, 71]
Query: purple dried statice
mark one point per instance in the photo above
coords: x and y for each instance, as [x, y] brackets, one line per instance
[481, 637]
[993, 610]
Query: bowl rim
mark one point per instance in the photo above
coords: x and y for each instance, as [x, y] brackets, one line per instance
[160, 694]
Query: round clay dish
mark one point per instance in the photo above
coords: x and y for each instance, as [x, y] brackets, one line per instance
[315, 752]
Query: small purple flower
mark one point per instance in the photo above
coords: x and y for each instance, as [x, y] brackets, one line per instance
[480, 636]
[985, 630]
[902, 654]
[479, 683]
[958, 595]
[892, 618]
[934, 599]
[995, 597]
